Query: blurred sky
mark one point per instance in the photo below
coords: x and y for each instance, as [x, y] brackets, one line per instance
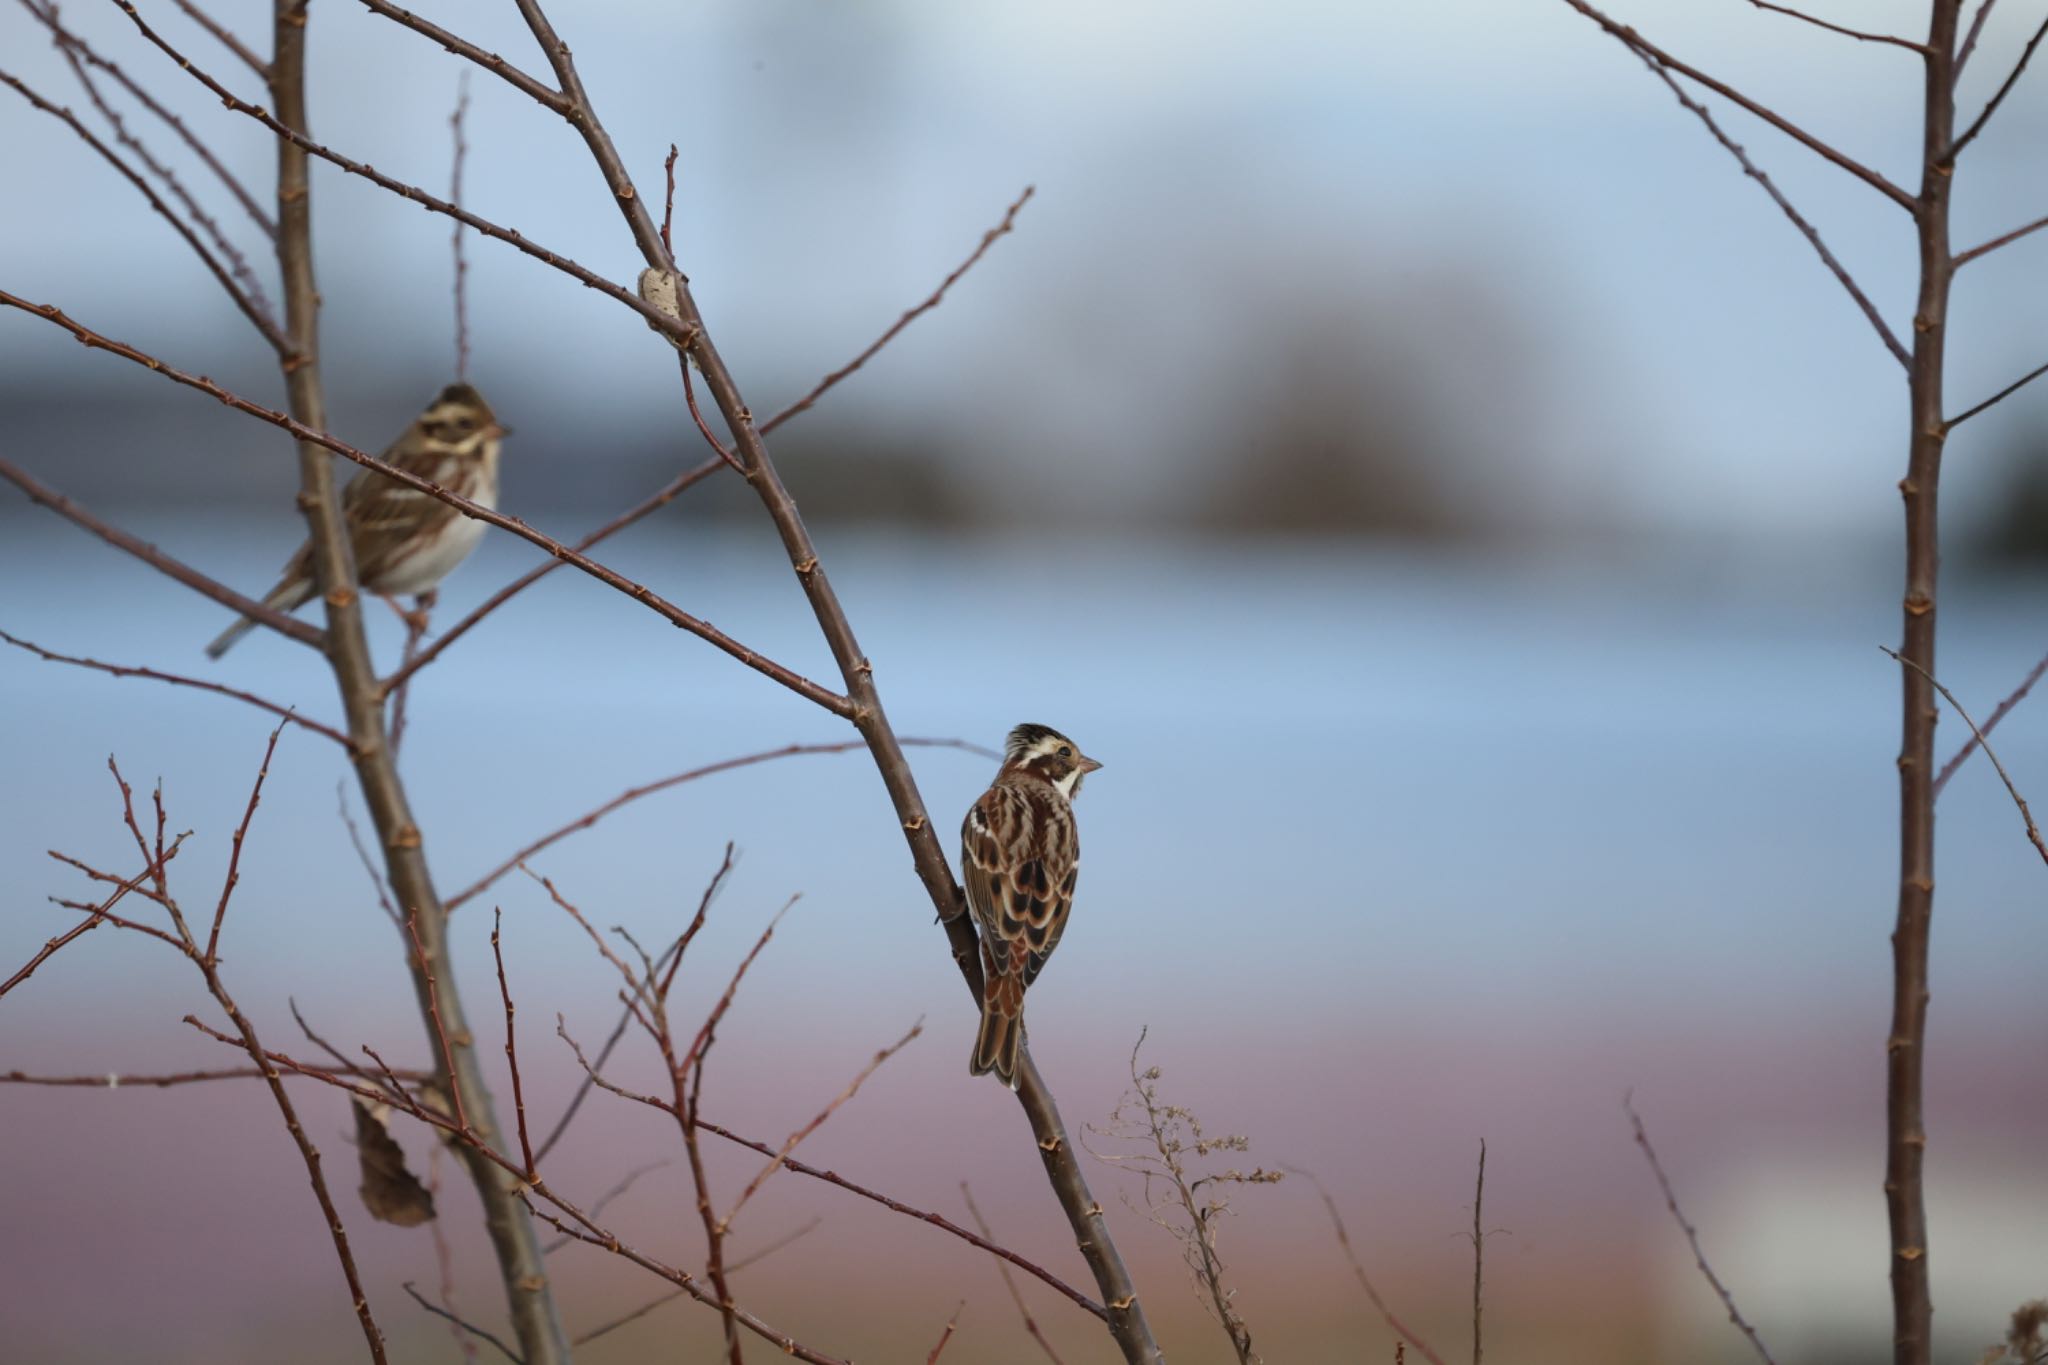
[1399, 845]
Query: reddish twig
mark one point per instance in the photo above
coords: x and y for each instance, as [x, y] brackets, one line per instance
[1858, 34]
[415, 631]
[590, 278]
[2026, 816]
[675, 956]
[1030, 1323]
[234, 876]
[1399, 1328]
[710, 1025]
[115, 1080]
[1969, 44]
[39, 493]
[668, 202]
[725, 452]
[511, 1044]
[463, 1323]
[284, 713]
[265, 325]
[1807, 229]
[1999, 713]
[1643, 47]
[426, 969]
[2008, 391]
[455, 197]
[947, 1335]
[659, 499]
[444, 1257]
[804, 687]
[100, 914]
[224, 37]
[490, 61]
[633, 794]
[988, 239]
[1963, 258]
[1692, 1235]
[1970, 134]
[355, 838]
[604, 1200]
[781, 1157]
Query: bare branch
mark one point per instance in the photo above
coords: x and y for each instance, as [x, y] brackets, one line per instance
[234, 876]
[1030, 1323]
[1395, 1325]
[1812, 235]
[490, 61]
[1996, 242]
[75, 50]
[1692, 1236]
[1969, 134]
[99, 914]
[988, 239]
[2008, 391]
[1857, 34]
[633, 794]
[2026, 816]
[455, 197]
[2004, 708]
[1970, 38]
[511, 1043]
[464, 1323]
[1642, 47]
[659, 499]
[224, 37]
[781, 1157]
[126, 671]
[674, 615]
[947, 1335]
[287, 626]
[250, 307]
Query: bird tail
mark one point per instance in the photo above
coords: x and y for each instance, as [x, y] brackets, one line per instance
[1002, 1031]
[286, 596]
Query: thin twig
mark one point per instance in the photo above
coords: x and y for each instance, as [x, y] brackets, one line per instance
[455, 197]
[2008, 391]
[988, 239]
[289, 627]
[1974, 252]
[1812, 234]
[251, 308]
[659, 499]
[444, 1257]
[2033, 831]
[668, 201]
[234, 875]
[465, 1324]
[1691, 1234]
[284, 713]
[947, 1335]
[633, 794]
[490, 61]
[781, 1157]
[1970, 39]
[1478, 1251]
[603, 1201]
[2003, 709]
[1969, 134]
[1644, 48]
[674, 615]
[1857, 34]
[1399, 1328]
[511, 1042]
[99, 914]
[1009, 1283]
[224, 37]
[115, 1080]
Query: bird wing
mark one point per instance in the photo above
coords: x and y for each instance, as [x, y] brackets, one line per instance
[383, 516]
[1019, 858]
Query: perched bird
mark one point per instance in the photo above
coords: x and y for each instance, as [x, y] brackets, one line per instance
[406, 541]
[1019, 854]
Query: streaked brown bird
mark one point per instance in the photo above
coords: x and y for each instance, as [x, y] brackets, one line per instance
[405, 541]
[1020, 852]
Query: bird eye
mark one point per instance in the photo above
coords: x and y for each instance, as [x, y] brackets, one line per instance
[1066, 752]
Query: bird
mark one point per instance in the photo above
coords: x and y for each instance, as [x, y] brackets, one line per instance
[405, 541]
[1020, 852]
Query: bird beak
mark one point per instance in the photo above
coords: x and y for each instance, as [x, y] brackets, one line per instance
[1088, 765]
[499, 429]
